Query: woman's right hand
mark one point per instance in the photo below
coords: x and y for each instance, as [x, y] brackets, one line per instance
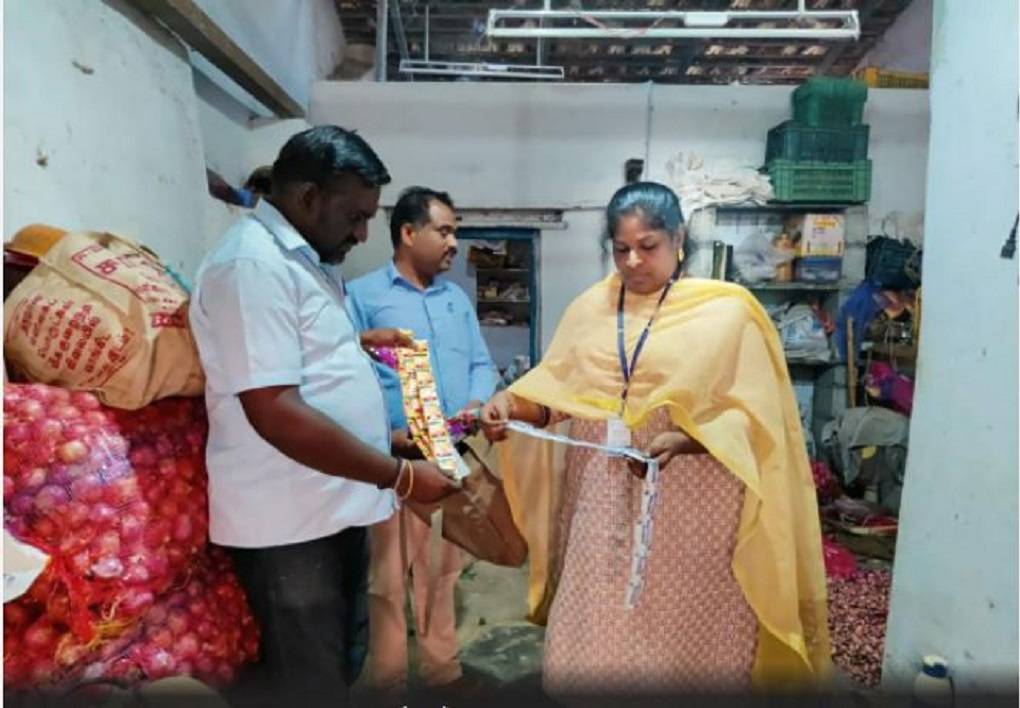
[430, 484]
[495, 416]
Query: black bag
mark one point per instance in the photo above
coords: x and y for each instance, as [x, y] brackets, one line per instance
[893, 264]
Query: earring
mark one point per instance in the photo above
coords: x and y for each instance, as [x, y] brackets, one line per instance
[680, 255]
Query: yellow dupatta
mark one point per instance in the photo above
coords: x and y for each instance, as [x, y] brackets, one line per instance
[714, 359]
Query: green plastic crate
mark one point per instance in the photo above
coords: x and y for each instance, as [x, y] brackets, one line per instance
[827, 102]
[794, 141]
[831, 182]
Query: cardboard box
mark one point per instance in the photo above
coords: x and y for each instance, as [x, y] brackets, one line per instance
[817, 234]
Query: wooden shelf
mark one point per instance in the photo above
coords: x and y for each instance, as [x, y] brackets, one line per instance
[502, 270]
[786, 206]
[798, 286]
[498, 301]
[812, 363]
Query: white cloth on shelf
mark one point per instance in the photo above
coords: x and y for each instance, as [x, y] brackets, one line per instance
[701, 185]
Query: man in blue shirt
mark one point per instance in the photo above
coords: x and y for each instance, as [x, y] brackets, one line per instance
[407, 294]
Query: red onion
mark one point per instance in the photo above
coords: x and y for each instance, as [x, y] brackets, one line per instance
[118, 499]
[81, 482]
[41, 636]
[205, 630]
[858, 608]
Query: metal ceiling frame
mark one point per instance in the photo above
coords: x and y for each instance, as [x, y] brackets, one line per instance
[477, 69]
[457, 34]
[694, 24]
[472, 69]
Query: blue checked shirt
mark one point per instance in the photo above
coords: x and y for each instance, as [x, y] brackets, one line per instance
[442, 315]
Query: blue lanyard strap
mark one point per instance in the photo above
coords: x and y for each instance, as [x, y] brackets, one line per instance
[621, 341]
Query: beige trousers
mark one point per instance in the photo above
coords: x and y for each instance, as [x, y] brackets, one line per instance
[438, 648]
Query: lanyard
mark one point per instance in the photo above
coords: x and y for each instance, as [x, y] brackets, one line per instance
[621, 344]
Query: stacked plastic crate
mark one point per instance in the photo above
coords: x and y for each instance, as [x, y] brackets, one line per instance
[822, 154]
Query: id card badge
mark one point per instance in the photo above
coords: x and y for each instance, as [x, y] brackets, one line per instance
[617, 434]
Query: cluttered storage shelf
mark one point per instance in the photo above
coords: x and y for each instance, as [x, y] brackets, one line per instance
[846, 304]
[500, 275]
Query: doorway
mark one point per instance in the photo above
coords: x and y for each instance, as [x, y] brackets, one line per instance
[498, 269]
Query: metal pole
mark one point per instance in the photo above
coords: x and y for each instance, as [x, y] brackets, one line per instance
[540, 53]
[381, 38]
[426, 33]
[398, 32]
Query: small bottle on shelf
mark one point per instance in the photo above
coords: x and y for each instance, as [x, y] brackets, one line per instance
[784, 248]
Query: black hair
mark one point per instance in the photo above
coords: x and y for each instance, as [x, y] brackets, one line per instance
[657, 204]
[260, 180]
[413, 208]
[320, 154]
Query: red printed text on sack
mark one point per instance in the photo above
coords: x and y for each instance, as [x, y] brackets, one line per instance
[141, 277]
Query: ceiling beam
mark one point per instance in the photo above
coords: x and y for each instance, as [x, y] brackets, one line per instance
[199, 32]
[865, 12]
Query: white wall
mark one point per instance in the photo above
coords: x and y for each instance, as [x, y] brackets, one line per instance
[235, 144]
[505, 145]
[906, 45]
[126, 139]
[955, 579]
[294, 41]
[122, 144]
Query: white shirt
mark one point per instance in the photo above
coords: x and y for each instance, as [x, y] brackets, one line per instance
[266, 312]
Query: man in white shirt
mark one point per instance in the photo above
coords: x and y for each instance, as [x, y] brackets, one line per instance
[299, 441]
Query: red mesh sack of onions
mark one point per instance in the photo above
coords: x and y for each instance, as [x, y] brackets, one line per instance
[858, 610]
[203, 628]
[117, 498]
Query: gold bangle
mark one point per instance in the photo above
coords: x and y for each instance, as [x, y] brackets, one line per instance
[410, 484]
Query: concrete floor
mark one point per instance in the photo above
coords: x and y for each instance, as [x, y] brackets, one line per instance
[499, 647]
[501, 650]
[497, 643]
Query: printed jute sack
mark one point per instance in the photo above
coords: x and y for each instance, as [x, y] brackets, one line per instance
[100, 313]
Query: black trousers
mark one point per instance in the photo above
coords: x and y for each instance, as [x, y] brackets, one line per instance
[310, 602]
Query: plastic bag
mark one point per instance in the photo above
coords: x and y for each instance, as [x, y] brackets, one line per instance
[802, 334]
[23, 563]
[756, 258]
